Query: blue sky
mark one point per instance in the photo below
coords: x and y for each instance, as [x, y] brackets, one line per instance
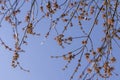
[37, 54]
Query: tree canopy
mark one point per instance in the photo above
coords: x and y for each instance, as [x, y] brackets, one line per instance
[86, 22]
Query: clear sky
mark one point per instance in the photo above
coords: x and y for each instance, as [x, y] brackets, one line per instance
[37, 55]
